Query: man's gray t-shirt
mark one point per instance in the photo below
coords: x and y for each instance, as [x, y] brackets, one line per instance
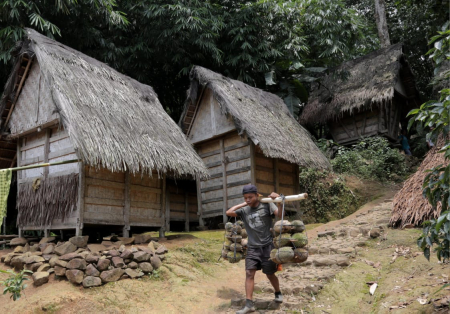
[257, 222]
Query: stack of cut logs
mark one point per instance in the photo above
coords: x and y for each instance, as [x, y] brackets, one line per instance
[290, 242]
[235, 245]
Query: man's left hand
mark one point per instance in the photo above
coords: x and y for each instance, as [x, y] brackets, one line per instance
[274, 195]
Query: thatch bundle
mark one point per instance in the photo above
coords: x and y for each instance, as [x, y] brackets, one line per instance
[261, 116]
[113, 121]
[410, 206]
[359, 83]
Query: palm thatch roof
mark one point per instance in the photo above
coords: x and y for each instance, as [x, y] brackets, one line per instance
[113, 120]
[360, 83]
[261, 116]
[410, 206]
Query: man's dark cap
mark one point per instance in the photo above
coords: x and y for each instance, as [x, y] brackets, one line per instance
[250, 188]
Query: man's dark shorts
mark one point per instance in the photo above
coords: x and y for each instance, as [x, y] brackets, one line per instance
[259, 258]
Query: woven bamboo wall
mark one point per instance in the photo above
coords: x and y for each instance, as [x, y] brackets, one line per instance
[34, 106]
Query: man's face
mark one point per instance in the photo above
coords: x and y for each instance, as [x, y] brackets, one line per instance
[251, 199]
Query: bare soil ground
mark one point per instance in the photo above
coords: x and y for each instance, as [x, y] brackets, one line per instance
[192, 280]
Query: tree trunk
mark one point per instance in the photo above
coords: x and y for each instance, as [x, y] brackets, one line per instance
[380, 18]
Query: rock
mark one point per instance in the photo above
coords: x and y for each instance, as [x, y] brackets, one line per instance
[77, 263]
[47, 240]
[33, 267]
[39, 278]
[18, 241]
[156, 262]
[70, 256]
[162, 257]
[96, 247]
[383, 221]
[311, 289]
[134, 249]
[92, 271]
[59, 271]
[90, 281]
[142, 238]
[161, 250]
[34, 248]
[325, 233]
[323, 261]
[151, 246]
[342, 261]
[65, 248]
[53, 260]
[141, 257]
[79, 241]
[156, 244]
[8, 258]
[37, 253]
[34, 259]
[60, 263]
[43, 267]
[347, 250]
[49, 249]
[103, 264]
[374, 233]
[126, 254]
[133, 265]
[273, 305]
[107, 244]
[238, 302]
[133, 273]
[75, 276]
[262, 304]
[113, 253]
[26, 248]
[353, 232]
[126, 241]
[18, 249]
[117, 244]
[92, 258]
[121, 249]
[147, 250]
[146, 267]
[118, 262]
[365, 230]
[111, 275]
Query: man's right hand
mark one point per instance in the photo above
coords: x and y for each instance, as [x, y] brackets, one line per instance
[231, 211]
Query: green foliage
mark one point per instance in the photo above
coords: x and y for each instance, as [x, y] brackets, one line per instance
[436, 233]
[14, 284]
[328, 197]
[436, 186]
[371, 158]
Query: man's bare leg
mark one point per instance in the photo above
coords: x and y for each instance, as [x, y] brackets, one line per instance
[274, 281]
[250, 283]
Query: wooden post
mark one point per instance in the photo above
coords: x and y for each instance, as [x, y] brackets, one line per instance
[224, 180]
[199, 203]
[252, 163]
[46, 232]
[19, 176]
[81, 188]
[167, 210]
[46, 151]
[276, 176]
[186, 211]
[126, 208]
[162, 231]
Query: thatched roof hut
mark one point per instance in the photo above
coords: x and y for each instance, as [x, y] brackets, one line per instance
[244, 135]
[263, 117]
[113, 120]
[410, 206]
[61, 105]
[364, 97]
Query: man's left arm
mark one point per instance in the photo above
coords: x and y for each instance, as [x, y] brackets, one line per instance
[277, 210]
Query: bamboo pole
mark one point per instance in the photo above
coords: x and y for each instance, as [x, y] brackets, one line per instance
[45, 165]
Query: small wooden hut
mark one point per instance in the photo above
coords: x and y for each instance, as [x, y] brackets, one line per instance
[410, 206]
[60, 104]
[244, 135]
[364, 97]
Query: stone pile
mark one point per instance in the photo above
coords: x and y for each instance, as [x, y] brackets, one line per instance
[82, 263]
[290, 242]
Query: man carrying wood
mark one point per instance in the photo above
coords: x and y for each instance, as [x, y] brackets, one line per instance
[257, 218]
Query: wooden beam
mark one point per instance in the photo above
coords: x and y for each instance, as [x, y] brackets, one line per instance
[199, 203]
[345, 129]
[167, 209]
[127, 203]
[46, 150]
[224, 179]
[81, 190]
[364, 123]
[195, 111]
[186, 211]
[19, 88]
[252, 163]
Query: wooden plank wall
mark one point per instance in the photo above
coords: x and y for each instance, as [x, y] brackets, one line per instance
[182, 204]
[228, 161]
[275, 175]
[106, 197]
[49, 145]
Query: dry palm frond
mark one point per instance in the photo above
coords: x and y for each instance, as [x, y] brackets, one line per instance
[410, 206]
